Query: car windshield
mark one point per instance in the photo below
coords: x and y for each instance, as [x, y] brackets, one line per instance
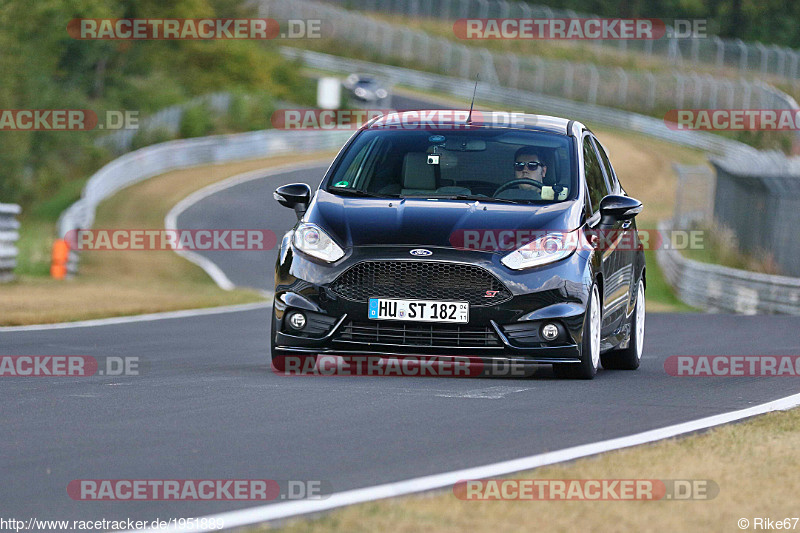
[501, 165]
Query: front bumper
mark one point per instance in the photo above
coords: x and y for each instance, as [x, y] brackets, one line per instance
[509, 330]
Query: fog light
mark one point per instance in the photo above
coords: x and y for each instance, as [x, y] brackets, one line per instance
[297, 321]
[550, 332]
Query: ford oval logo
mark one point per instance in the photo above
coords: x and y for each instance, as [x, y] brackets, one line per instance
[420, 252]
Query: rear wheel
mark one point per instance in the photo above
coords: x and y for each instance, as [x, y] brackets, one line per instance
[590, 344]
[629, 358]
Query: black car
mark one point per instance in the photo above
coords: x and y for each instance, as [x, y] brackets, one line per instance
[504, 241]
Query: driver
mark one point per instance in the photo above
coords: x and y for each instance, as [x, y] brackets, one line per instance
[528, 165]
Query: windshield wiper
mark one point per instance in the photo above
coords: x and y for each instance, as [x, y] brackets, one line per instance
[486, 199]
[465, 197]
[359, 192]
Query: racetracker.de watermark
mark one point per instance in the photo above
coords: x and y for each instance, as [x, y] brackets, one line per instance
[733, 119]
[68, 366]
[66, 120]
[501, 240]
[413, 119]
[166, 239]
[398, 366]
[586, 489]
[197, 489]
[193, 29]
[733, 365]
[560, 28]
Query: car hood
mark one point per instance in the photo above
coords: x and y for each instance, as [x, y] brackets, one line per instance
[427, 222]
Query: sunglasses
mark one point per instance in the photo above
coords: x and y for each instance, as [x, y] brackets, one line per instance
[532, 165]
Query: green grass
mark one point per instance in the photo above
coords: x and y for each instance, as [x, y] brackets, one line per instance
[37, 229]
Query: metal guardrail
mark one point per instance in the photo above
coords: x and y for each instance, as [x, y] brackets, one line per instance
[153, 160]
[9, 234]
[717, 288]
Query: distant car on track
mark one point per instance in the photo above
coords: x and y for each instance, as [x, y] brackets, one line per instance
[512, 243]
[366, 88]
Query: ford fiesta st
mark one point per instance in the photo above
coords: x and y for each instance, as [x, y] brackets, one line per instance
[505, 241]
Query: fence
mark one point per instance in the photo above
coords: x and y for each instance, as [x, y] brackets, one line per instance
[732, 55]
[759, 199]
[694, 196]
[637, 90]
[9, 234]
[160, 158]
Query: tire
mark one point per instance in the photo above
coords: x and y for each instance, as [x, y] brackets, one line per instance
[629, 358]
[590, 343]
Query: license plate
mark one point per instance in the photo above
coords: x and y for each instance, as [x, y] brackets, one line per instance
[419, 310]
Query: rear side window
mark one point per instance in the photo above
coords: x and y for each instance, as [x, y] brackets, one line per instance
[594, 174]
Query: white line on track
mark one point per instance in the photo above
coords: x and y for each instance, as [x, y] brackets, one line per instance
[171, 220]
[279, 511]
[139, 318]
[491, 393]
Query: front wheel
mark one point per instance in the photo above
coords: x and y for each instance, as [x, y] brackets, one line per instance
[629, 358]
[590, 344]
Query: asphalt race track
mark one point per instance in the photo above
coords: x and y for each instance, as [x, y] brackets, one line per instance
[207, 406]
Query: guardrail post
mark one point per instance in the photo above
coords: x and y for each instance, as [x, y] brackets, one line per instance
[9, 235]
[466, 61]
[742, 54]
[569, 74]
[720, 51]
[513, 71]
[594, 81]
[713, 87]
[795, 58]
[698, 89]
[781, 53]
[505, 9]
[484, 9]
[651, 92]
[747, 93]
[680, 88]
[764, 57]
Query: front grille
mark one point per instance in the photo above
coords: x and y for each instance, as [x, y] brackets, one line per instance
[422, 280]
[418, 335]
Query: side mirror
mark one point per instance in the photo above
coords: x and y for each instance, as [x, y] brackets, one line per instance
[614, 208]
[295, 195]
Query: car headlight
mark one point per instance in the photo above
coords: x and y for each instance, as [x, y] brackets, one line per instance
[381, 93]
[311, 240]
[547, 249]
[360, 92]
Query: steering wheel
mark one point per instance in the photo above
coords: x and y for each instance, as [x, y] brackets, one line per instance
[514, 183]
